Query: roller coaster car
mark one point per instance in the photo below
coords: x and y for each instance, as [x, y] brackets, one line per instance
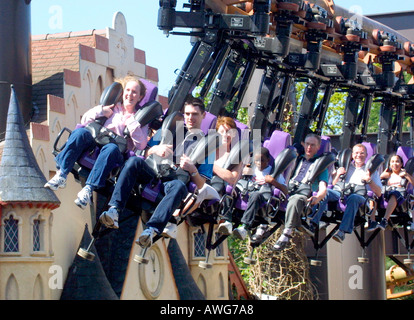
[150, 193]
[402, 215]
[170, 126]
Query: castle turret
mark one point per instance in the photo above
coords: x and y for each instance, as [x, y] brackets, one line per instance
[26, 253]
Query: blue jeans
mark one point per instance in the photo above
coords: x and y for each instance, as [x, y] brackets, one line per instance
[353, 202]
[331, 196]
[79, 141]
[135, 171]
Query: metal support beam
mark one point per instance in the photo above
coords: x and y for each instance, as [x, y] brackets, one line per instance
[190, 76]
[385, 127]
[306, 110]
[350, 119]
[264, 101]
[225, 82]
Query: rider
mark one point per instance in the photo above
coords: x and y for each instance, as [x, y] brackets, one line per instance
[119, 117]
[136, 170]
[358, 176]
[394, 190]
[297, 201]
[227, 128]
[257, 198]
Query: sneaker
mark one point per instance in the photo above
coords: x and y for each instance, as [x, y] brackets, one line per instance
[170, 230]
[383, 224]
[110, 218]
[225, 228]
[240, 232]
[84, 197]
[372, 225]
[282, 242]
[339, 236]
[146, 237]
[260, 231]
[280, 245]
[58, 181]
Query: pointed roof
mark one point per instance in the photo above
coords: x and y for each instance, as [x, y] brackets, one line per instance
[186, 286]
[21, 179]
[86, 279]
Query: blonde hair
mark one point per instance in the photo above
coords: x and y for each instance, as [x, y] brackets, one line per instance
[123, 81]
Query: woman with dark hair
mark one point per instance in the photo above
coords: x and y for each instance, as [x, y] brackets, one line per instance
[118, 117]
[394, 191]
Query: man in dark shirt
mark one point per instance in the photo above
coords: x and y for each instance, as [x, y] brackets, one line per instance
[297, 201]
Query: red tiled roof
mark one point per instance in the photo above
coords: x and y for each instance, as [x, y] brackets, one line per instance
[51, 55]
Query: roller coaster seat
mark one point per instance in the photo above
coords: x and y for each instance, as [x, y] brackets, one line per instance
[401, 214]
[371, 149]
[326, 145]
[338, 208]
[201, 152]
[240, 151]
[278, 141]
[87, 160]
[209, 209]
[243, 130]
[208, 123]
[279, 144]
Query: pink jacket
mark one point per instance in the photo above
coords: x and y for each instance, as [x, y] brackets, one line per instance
[120, 119]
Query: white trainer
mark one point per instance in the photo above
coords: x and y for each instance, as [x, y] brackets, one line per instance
[84, 197]
[225, 228]
[240, 233]
[170, 230]
[58, 181]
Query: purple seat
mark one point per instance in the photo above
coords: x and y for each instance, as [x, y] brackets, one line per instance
[88, 158]
[326, 145]
[243, 130]
[209, 122]
[150, 94]
[371, 149]
[278, 141]
[405, 153]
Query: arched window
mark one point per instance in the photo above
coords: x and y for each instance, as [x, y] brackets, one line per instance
[11, 234]
[37, 223]
[199, 244]
[36, 235]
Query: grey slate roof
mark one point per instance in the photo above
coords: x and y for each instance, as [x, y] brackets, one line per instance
[21, 179]
[187, 287]
[86, 279]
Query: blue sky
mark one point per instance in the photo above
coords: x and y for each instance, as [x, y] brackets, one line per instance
[165, 54]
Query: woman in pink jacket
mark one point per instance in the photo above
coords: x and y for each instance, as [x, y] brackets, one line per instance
[119, 117]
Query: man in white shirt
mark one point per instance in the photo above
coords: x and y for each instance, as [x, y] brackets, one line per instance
[359, 176]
